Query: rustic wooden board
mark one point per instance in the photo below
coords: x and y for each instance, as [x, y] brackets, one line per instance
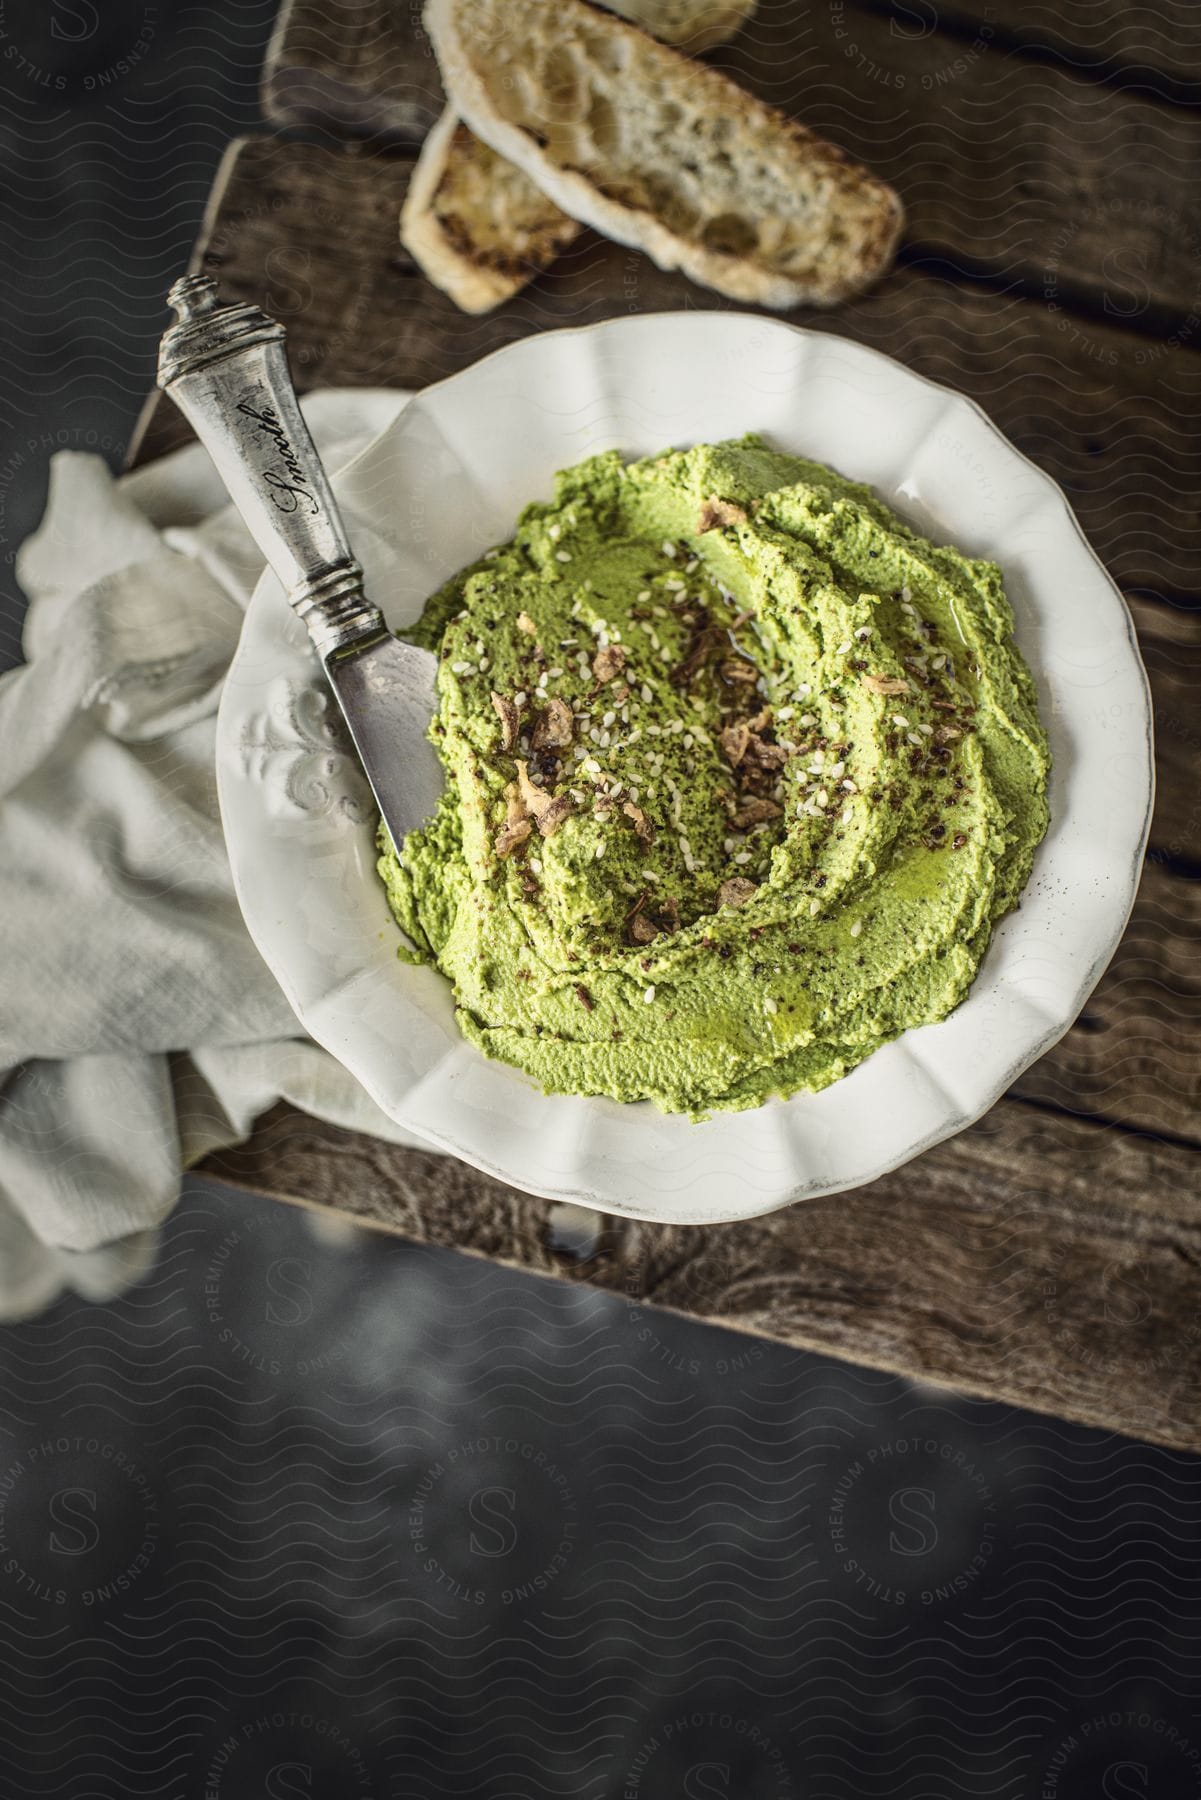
[1025, 171]
[1034, 1259]
[1157, 47]
[1132, 1056]
[310, 231]
[1066, 1251]
[1170, 641]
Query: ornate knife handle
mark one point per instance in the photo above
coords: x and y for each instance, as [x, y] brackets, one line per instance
[225, 366]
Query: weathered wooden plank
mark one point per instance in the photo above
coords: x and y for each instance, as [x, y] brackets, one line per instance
[1157, 46]
[1170, 641]
[311, 232]
[1034, 1259]
[1133, 1054]
[1026, 171]
[358, 66]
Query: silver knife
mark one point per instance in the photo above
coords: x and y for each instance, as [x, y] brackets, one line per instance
[224, 365]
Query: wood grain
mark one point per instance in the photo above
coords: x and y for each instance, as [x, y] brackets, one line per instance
[1064, 1252]
[1157, 46]
[1034, 1259]
[1170, 641]
[1028, 172]
[310, 232]
[1132, 1055]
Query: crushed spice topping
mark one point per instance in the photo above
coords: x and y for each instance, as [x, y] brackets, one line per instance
[715, 513]
[736, 891]
[681, 732]
[609, 661]
[509, 714]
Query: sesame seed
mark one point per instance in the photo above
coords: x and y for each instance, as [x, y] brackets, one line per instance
[520, 697]
[743, 857]
[901, 720]
[926, 730]
[609, 718]
[647, 692]
[769, 1006]
[536, 864]
[554, 674]
[815, 907]
[563, 556]
[644, 594]
[669, 549]
[842, 649]
[913, 737]
[857, 927]
[648, 995]
[461, 668]
[836, 770]
[600, 849]
[483, 664]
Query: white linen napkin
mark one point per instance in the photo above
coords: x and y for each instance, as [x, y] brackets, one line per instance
[139, 1028]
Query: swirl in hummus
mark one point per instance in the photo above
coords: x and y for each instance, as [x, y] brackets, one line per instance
[741, 775]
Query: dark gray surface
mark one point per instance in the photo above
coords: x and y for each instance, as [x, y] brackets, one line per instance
[320, 1515]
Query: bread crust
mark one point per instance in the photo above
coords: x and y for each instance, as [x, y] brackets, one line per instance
[692, 25]
[476, 226]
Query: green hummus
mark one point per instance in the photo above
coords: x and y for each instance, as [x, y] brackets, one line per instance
[741, 775]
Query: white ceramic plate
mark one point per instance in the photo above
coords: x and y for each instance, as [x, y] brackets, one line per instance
[446, 481]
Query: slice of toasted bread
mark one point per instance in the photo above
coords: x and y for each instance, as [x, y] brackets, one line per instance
[663, 153]
[475, 223]
[694, 25]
